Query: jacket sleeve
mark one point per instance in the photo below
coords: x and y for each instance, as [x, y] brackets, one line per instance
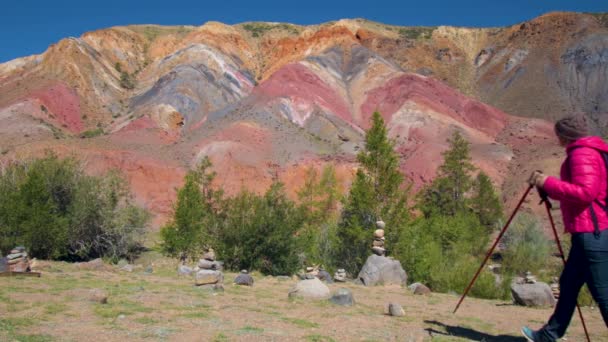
[584, 186]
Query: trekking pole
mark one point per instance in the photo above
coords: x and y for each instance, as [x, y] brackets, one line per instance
[544, 198]
[502, 232]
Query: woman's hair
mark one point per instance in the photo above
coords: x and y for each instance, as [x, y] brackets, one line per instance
[572, 127]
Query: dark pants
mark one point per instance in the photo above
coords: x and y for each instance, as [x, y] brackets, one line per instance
[587, 263]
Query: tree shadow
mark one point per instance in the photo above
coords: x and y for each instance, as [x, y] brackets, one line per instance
[469, 333]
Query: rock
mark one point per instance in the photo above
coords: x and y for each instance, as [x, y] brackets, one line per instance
[3, 265]
[380, 224]
[209, 255]
[149, 270]
[121, 316]
[378, 243]
[99, 296]
[308, 276]
[244, 279]
[340, 275]
[323, 275]
[14, 256]
[310, 289]
[205, 277]
[396, 310]
[419, 289]
[94, 264]
[184, 270]
[210, 265]
[537, 294]
[343, 297]
[309, 269]
[380, 251]
[18, 249]
[22, 265]
[379, 233]
[127, 268]
[380, 270]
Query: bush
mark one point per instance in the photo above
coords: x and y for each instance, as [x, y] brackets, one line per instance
[258, 232]
[527, 247]
[51, 207]
[444, 252]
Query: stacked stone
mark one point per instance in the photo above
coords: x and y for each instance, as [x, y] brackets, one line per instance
[378, 244]
[555, 287]
[209, 272]
[311, 273]
[529, 279]
[18, 261]
[340, 275]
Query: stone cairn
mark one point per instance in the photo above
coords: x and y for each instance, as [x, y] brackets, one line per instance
[555, 287]
[18, 260]
[311, 273]
[378, 243]
[209, 271]
[529, 278]
[340, 275]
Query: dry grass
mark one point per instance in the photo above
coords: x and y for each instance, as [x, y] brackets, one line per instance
[162, 306]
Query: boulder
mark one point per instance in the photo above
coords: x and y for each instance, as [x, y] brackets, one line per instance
[310, 289]
[206, 277]
[378, 243]
[343, 297]
[396, 310]
[380, 270]
[380, 224]
[98, 296]
[419, 289]
[537, 294]
[244, 279]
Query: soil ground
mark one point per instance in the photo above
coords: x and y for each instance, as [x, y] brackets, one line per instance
[163, 306]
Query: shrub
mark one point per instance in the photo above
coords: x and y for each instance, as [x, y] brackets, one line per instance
[258, 232]
[51, 207]
[527, 247]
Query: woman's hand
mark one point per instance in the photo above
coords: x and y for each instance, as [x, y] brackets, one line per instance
[537, 178]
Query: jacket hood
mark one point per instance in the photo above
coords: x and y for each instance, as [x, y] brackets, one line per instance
[591, 141]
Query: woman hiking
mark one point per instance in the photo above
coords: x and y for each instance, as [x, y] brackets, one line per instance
[582, 190]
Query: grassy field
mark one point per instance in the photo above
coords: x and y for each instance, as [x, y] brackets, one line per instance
[163, 306]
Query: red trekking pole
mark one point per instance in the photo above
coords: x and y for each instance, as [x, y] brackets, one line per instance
[544, 198]
[502, 232]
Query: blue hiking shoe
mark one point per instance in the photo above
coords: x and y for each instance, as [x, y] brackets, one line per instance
[529, 334]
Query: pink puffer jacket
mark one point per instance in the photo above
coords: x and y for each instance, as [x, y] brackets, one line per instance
[583, 180]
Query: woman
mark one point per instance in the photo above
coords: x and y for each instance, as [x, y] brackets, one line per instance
[581, 189]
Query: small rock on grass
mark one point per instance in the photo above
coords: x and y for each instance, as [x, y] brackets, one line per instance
[99, 296]
[396, 310]
[343, 297]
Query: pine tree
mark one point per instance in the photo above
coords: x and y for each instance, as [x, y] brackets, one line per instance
[377, 193]
[190, 231]
[485, 203]
[446, 195]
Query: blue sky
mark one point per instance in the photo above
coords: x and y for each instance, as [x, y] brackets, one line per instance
[28, 27]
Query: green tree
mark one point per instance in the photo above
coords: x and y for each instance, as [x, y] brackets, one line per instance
[446, 194]
[377, 192]
[195, 214]
[259, 232]
[485, 202]
[319, 205]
